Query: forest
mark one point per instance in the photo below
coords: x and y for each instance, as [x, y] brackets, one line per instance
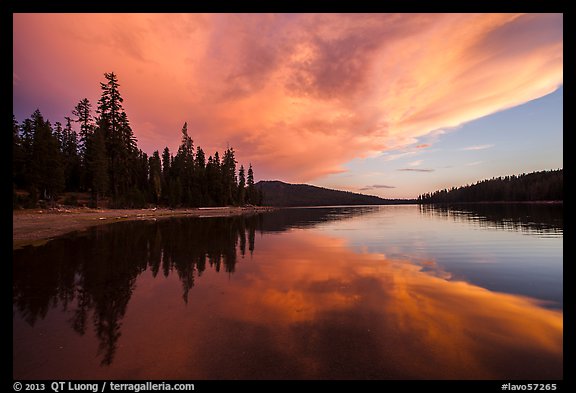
[103, 160]
[277, 193]
[535, 186]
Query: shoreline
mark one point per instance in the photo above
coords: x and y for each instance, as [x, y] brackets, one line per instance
[550, 202]
[33, 227]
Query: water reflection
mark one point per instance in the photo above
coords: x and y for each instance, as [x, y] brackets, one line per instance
[528, 217]
[303, 305]
[284, 219]
[96, 271]
[361, 315]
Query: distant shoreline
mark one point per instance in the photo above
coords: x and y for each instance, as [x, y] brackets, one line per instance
[37, 226]
[495, 203]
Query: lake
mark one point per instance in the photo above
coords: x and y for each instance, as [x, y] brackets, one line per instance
[370, 292]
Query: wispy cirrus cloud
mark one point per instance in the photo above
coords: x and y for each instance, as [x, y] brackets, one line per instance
[391, 156]
[477, 147]
[376, 186]
[298, 95]
[415, 170]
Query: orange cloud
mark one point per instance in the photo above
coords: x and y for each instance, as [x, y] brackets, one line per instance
[465, 331]
[298, 95]
[306, 310]
[306, 306]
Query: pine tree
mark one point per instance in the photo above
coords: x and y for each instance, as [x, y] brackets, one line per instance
[120, 141]
[71, 157]
[26, 142]
[184, 166]
[139, 190]
[155, 178]
[186, 149]
[229, 181]
[200, 159]
[251, 191]
[46, 171]
[214, 180]
[17, 155]
[200, 177]
[83, 114]
[165, 162]
[58, 133]
[166, 159]
[241, 186]
[97, 165]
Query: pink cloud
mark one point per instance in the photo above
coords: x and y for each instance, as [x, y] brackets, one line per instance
[415, 170]
[297, 95]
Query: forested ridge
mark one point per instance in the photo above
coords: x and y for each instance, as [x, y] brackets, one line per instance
[277, 193]
[535, 186]
[96, 152]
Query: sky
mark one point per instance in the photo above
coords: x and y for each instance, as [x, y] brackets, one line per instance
[393, 105]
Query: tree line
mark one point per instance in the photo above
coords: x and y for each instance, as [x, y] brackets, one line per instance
[103, 159]
[535, 186]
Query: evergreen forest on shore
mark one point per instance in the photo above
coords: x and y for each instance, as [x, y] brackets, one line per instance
[102, 160]
[527, 187]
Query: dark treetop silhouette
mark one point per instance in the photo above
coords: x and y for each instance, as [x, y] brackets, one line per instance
[104, 160]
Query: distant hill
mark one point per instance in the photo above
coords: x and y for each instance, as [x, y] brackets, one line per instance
[277, 193]
[531, 187]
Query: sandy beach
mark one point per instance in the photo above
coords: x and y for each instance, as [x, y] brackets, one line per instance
[34, 227]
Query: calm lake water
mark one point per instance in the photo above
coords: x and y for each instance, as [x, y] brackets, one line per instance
[385, 292]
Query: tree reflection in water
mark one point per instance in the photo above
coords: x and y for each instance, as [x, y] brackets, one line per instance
[92, 274]
[535, 218]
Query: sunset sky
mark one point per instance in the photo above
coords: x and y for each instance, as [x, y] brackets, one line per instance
[384, 104]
